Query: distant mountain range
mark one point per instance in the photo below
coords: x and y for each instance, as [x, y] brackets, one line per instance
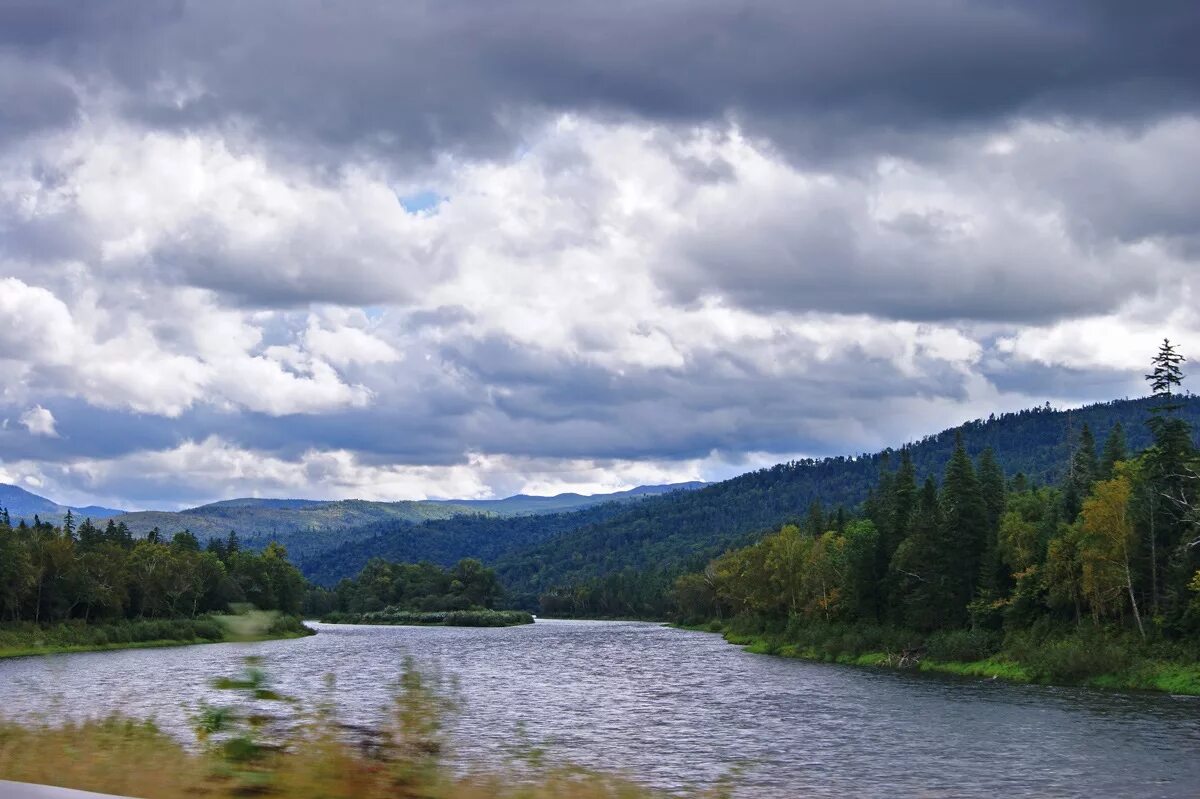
[22, 504]
[308, 526]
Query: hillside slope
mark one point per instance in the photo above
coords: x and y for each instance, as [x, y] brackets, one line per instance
[685, 528]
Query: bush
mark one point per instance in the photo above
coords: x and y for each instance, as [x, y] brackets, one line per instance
[962, 645]
[1072, 658]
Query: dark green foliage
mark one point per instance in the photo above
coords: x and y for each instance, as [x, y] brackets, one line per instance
[922, 589]
[962, 645]
[416, 587]
[1114, 451]
[1075, 657]
[627, 594]
[71, 634]
[446, 541]
[962, 535]
[50, 575]
[994, 578]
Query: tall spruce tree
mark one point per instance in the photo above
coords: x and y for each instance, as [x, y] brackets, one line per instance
[922, 591]
[1114, 451]
[1084, 466]
[903, 503]
[814, 523]
[893, 520]
[964, 530]
[994, 577]
[1170, 482]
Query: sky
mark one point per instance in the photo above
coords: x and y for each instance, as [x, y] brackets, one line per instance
[469, 248]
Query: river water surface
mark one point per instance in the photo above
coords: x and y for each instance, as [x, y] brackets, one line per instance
[677, 709]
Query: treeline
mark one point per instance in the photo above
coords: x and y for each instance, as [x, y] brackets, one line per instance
[52, 574]
[627, 594]
[409, 587]
[1115, 544]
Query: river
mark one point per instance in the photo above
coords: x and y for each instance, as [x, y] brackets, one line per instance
[675, 709]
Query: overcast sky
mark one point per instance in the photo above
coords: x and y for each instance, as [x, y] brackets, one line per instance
[457, 248]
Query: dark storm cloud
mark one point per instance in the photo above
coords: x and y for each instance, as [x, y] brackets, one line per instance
[313, 91]
[830, 256]
[415, 78]
[33, 97]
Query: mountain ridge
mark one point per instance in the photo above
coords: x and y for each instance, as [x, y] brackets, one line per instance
[24, 504]
[310, 526]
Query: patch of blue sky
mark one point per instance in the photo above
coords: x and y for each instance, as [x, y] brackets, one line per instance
[421, 202]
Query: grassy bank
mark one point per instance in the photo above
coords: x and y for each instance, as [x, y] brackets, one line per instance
[241, 751]
[450, 618]
[1084, 657]
[22, 640]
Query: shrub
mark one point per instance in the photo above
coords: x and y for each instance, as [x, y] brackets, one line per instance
[1072, 658]
[962, 645]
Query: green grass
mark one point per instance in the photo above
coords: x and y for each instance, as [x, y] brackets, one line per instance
[24, 640]
[993, 668]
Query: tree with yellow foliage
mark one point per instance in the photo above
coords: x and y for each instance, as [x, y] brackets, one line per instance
[1107, 538]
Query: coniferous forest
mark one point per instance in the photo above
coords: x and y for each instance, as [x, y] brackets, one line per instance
[983, 563]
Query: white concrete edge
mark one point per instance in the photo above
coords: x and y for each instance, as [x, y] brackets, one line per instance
[24, 790]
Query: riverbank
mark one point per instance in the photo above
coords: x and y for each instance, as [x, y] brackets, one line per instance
[452, 618]
[1088, 660]
[29, 640]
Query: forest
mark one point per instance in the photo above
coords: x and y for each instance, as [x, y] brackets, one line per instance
[1114, 547]
[418, 587]
[93, 574]
[416, 593]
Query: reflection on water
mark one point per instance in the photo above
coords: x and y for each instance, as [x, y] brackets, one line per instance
[676, 708]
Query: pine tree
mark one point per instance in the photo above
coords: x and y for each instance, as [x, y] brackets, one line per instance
[903, 502]
[994, 577]
[89, 535]
[964, 530]
[68, 526]
[814, 525]
[1172, 561]
[898, 513]
[1084, 466]
[1166, 376]
[1114, 451]
[922, 593]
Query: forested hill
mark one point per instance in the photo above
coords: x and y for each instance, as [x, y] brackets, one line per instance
[687, 528]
